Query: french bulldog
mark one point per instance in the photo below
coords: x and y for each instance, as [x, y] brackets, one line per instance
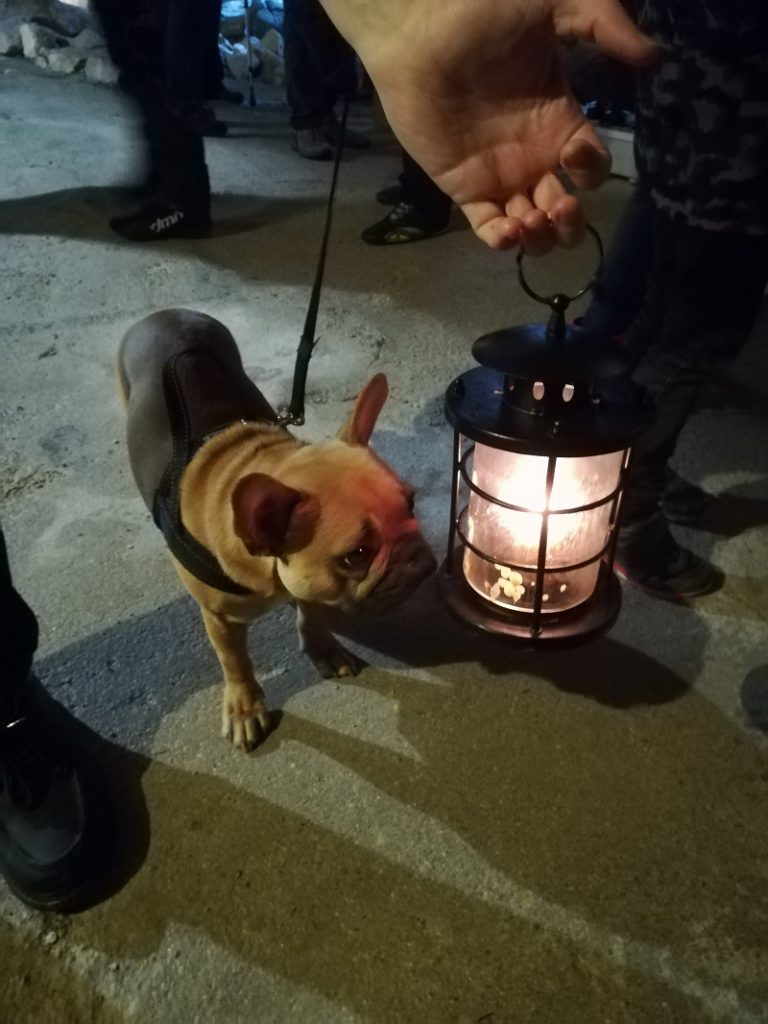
[252, 515]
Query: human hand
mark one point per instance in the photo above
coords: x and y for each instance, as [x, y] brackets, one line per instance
[475, 93]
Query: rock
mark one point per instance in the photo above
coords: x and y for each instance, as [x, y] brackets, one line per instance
[88, 39]
[66, 19]
[232, 25]
[237, 61]
[10, 37]
[272, 67]
[261, 20]
[273, 41]
[100, 70]
[36, 39]
[66, 61]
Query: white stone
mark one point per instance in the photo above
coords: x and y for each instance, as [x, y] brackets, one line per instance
[66, 61]
[237, 61]
[273, 42]
[36, 38]
[273, 69]
[10, 37]
[101, 70]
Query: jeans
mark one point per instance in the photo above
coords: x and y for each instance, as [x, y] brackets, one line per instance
[319, 63]
[704, 293]
[619, 294]
[18, 630]
[420, 191]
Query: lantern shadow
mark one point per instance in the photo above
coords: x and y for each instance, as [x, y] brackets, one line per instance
[423, 635]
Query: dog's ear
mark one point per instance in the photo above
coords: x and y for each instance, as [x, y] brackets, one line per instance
[370, 402]
[270, 518]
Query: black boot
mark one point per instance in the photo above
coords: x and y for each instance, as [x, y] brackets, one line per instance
[649, 556]
[55, 829]
[406, 223]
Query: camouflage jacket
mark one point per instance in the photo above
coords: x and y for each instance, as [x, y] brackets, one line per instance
[701, 135]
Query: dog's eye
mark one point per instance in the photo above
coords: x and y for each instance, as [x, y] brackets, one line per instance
[355, 560]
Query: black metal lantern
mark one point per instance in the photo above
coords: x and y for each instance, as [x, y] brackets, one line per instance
[543, 429]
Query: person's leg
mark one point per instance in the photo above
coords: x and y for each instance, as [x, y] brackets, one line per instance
[619, 295]
[714, 283]
[423, 210]
[53, 815]
[319, 69]
[178, 200]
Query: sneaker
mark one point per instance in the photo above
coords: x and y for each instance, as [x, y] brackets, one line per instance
[331, 130]
[684, 502]
[160, 220]
[311, 143]
[55, 835]
[406, 223]
[649, 556]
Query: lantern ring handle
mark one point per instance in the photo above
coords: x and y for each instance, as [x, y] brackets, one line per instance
[559, 300]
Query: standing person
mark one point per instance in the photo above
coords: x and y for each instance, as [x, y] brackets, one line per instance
[420, 209]
[319, 70]
[54, 813]
[702, 151]
[140, 35]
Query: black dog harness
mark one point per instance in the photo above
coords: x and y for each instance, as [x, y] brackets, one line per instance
[203, 397]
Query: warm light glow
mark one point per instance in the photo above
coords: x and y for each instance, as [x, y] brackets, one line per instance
[513, 537]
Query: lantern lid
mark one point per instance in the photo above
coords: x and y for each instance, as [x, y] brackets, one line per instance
[478, 405]
[557, 352]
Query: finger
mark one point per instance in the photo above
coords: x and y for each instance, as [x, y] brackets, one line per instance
[538, 235]
[585, 159]
[492, 226]
[568, 221]
[606, 24]
[519, 205]
[565, 212]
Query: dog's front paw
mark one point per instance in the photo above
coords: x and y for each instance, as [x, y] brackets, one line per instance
[332, 660]
[244, 720]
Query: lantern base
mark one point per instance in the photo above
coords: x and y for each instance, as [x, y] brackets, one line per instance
[581, 623]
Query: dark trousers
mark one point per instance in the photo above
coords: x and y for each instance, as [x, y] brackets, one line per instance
[420, 191]
[319, 63]
[137, 34]
[704, 293]
[619, 294]
[18, 630]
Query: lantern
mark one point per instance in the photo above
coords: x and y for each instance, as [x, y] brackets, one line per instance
[542, 436]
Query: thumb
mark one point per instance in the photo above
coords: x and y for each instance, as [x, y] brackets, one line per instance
[605, 23]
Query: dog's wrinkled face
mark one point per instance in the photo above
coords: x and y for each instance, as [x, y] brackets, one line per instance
[339, 521]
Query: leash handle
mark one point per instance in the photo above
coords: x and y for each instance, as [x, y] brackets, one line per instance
[294, 414]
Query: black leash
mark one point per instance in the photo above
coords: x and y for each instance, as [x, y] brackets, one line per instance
[294, 414]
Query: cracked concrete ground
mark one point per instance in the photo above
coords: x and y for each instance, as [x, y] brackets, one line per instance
[466, 832]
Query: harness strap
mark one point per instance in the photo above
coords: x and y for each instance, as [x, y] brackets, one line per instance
[166, 507]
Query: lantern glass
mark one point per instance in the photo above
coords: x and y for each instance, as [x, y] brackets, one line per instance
[510, 538]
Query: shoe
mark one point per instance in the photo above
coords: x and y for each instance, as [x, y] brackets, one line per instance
[406, 223]
[55, 826]
[159, 220]
[311, 144]
[684, 502]
[204, 122]
[649, 556]
[390, 196]
[331, 130]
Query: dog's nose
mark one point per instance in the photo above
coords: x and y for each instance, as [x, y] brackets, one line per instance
[410, 563]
